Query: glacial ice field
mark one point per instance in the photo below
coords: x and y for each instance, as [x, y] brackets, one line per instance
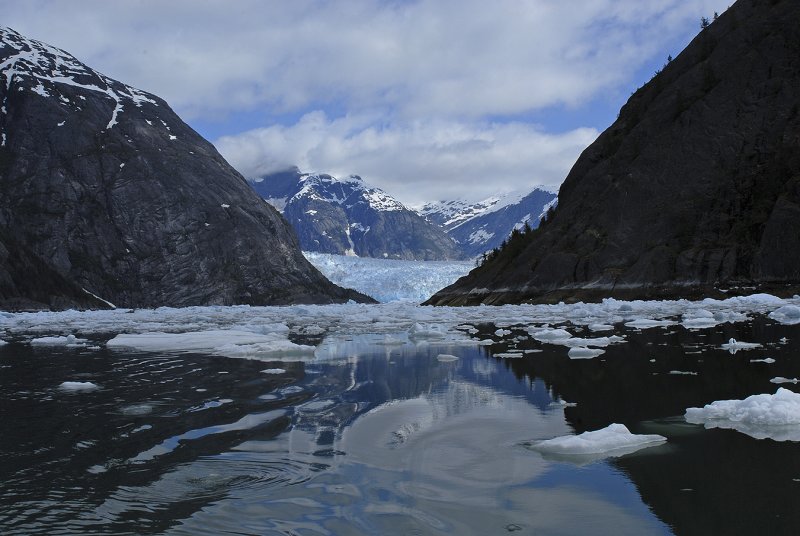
[389, 280]
[605, 418]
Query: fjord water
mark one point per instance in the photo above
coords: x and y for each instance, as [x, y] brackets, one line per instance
[375, 436]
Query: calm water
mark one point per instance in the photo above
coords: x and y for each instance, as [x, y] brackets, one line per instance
[391, 440]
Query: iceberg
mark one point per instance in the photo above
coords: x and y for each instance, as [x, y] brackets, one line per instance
[612, 441]
[762, 416]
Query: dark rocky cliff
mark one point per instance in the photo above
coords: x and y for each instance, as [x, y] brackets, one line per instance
[106, 192]
[696, 186]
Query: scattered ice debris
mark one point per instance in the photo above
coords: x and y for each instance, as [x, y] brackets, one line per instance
[173, 138]
[762, 416]
[446, 358]
[734, 346]
[225, 205]
[419, 331]
[580, 352]
[767, 360]
[78, 386]
[229, 343]
[274, 371]
[550, 335]
[646, 323]
[614, 440]
[509, 355]
[502, 332]
[788, 314]
[682, 372]
[389, 340]
[69, 340]
[781, 379]
[61, 124]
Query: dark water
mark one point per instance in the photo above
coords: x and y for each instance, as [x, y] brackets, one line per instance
[391, 440]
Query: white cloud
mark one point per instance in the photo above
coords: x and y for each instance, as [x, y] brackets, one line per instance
[417, 161]
[419, 58]
[404, 92]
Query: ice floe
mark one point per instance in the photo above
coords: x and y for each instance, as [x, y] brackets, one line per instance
[611, 441]
[446, 357]
[734, 346]
[69, 340]
[78, 386]
[788, 314]
[781, 379]
[229, 343]
[580, 352]
[762, 416]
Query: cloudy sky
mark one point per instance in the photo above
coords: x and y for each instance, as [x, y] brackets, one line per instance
[428, 99]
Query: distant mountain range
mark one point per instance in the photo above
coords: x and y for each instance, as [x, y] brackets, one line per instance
[346, 216]
[483, 226]
[107, 196]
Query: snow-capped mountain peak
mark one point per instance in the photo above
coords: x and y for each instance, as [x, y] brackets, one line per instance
[48, 68]
[349, 216]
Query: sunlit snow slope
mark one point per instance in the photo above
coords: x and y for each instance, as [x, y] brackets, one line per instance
[389, 280]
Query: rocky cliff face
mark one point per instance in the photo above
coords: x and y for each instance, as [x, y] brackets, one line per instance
[482, 226]
[108, 193]
[348, 217]
[695, 186]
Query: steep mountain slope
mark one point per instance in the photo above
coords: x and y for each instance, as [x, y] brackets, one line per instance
[348, 217]
[696, 185]
[483, 226]
[107, 192]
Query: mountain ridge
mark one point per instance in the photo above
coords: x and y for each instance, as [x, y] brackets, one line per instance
[695, 187]
[347, 216]
[106, 188]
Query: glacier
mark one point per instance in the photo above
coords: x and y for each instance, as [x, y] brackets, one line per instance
[389, 280]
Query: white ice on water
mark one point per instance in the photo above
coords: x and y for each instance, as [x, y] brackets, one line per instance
[734, 346]
[229, 343]
[78, 386]
[613, 440]
[762, 416]
[68, 340]
[245, 331]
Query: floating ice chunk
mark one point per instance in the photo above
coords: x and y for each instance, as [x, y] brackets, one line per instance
[509, 355]
[274, 371]
[78, 386]
[446, 357]
[646, 323]
[550, 335]
[69, 340]
[762, 416]
[581, 352]
[502, 332]
[485, 342]
[788, 314]
[599, 342]
[388, 340]
[682, 372]
[427, 331]
[229, 343]
[601, 327]
[2, 342]
[614, 440]
[700, 319]
[734, 346]
[225, 205]
[781, 379]
[767, 360]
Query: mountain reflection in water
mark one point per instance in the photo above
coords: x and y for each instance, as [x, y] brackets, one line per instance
[387, 439]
